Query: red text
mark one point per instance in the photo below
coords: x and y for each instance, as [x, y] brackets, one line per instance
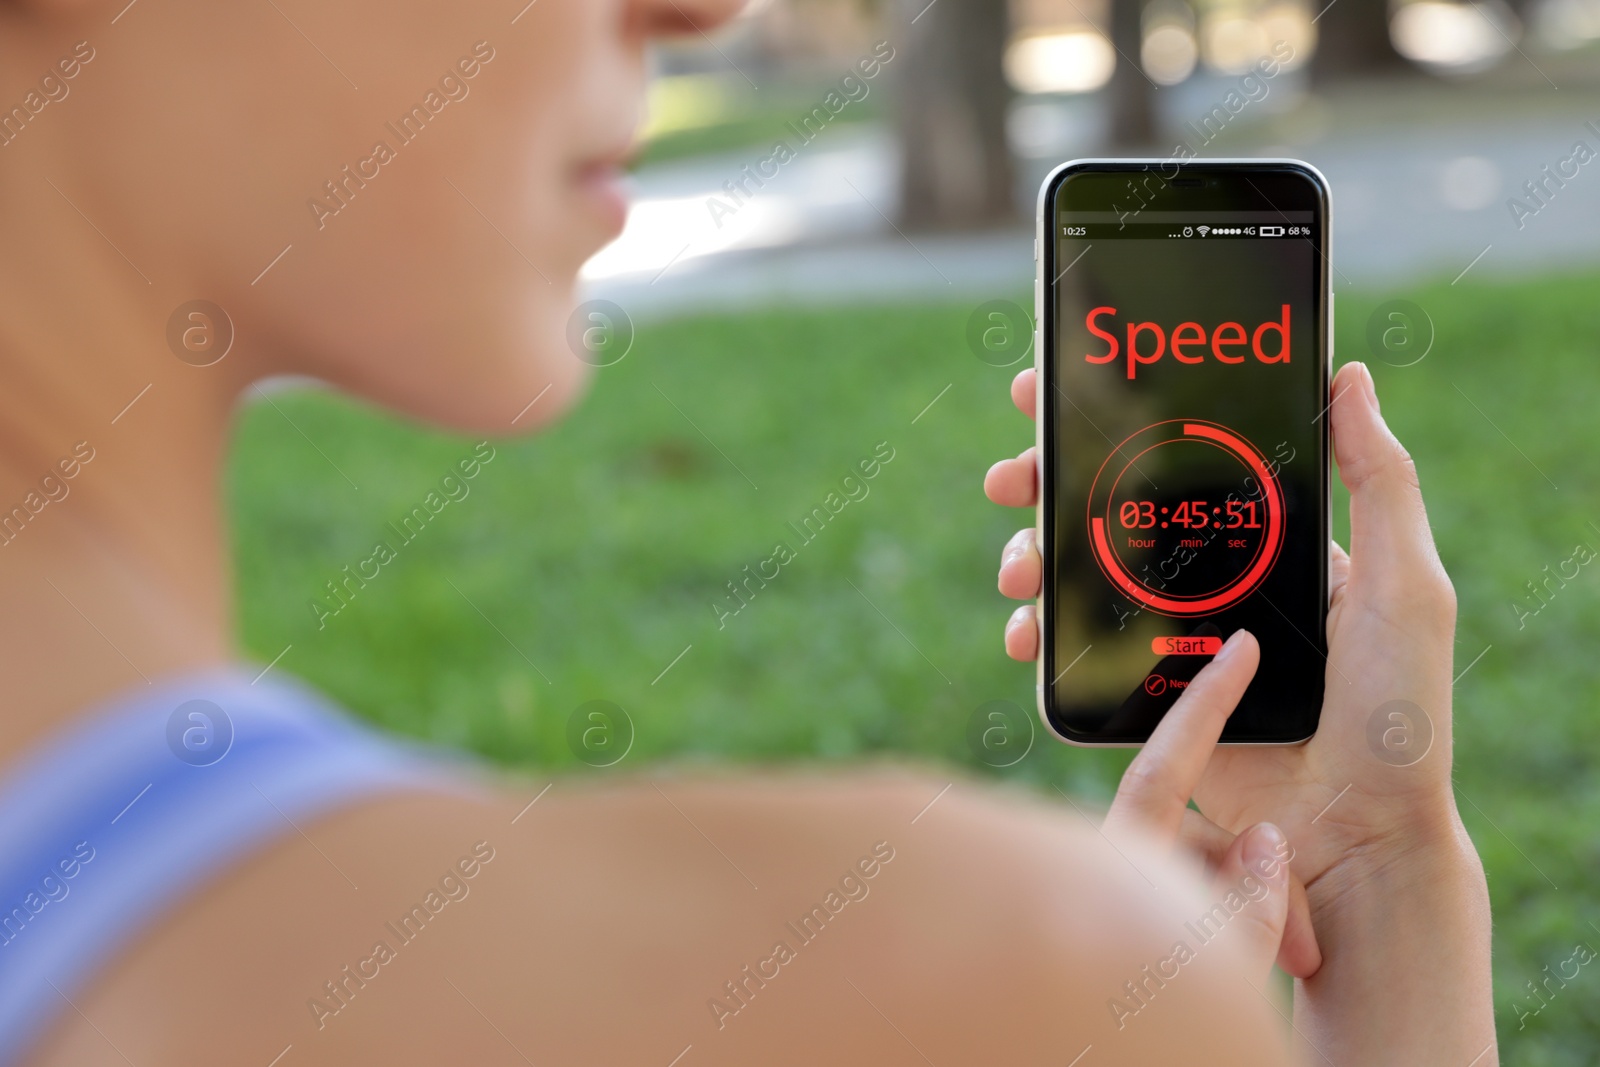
[1148, 342]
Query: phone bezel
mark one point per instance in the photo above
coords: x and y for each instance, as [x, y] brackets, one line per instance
[1044, 257]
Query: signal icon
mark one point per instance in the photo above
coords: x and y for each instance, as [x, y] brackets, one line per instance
[1203, 230]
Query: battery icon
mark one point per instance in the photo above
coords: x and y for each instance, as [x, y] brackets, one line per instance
[1270, 231]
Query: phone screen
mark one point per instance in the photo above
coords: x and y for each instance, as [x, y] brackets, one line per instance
[1184, 398]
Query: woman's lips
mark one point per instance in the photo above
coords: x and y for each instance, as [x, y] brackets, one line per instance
[604, 185]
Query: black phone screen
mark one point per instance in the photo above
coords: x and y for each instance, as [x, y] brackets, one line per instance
[1184, 396]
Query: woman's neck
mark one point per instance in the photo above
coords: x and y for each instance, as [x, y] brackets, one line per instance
[112, 562]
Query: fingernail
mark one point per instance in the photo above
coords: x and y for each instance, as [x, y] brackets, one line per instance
[1372, 386]
[1264, 851]
[1229, 647]
[1017, 547]
[1017, 618]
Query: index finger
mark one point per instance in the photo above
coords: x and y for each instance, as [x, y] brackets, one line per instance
[1155, 789]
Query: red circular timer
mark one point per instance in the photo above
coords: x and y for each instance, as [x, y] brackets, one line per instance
[1186, 517]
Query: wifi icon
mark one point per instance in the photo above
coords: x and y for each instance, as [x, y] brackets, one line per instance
[1203, 230]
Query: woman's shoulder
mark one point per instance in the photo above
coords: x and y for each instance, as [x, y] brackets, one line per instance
[778, 917]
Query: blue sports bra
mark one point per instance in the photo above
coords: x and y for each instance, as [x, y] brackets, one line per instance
[112, 820]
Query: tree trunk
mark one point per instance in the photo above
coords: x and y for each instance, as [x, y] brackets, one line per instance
[1132, 114]
[951, 114]
[1353, 41]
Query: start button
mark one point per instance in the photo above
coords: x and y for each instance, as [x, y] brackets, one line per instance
[1186, 646]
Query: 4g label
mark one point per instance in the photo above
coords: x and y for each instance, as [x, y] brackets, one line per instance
[1188, 341]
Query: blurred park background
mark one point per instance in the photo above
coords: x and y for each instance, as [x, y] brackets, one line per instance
[776, 334]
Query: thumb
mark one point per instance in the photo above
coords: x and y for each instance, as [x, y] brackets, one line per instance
[1251, 887]
[1390, 542]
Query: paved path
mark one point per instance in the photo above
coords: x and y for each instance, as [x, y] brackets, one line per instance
[1428, 199]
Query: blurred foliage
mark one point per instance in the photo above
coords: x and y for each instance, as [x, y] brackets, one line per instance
[597, 549]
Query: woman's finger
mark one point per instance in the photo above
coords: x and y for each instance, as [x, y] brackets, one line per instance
[1022, 634]
[1155, 789]
[1250, 895]
[1199, 836]
[1021, 569]
[1389, 534]
[1014, 483]
[1299, 954]
[1024, 392]
[1338, 573]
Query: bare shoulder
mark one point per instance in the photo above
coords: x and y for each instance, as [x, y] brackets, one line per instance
[872, 917]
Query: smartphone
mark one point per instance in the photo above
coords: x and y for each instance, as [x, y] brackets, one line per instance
[1184, 311]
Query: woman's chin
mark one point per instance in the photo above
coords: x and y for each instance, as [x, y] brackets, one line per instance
[551, 401]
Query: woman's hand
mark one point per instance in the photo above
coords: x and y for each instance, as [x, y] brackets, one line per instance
[1153, 799]
[1390, 635]
[1377, 840]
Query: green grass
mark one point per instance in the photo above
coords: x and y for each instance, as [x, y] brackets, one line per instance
[598, 549]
